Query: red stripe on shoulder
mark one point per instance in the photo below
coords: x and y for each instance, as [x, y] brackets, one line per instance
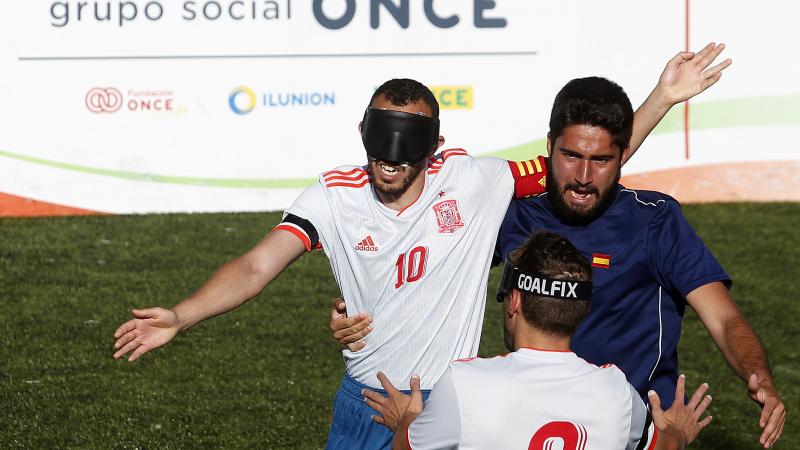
[351, 184]
[453, 152]
[436, 162]
[356, 177]
[339, 172]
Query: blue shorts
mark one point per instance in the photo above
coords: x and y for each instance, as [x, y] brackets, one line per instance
[353, 427]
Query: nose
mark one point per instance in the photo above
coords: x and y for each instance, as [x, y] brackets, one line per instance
[583, 173]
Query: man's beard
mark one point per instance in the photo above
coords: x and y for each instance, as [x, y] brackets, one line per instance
[570, 215]
[394, 190]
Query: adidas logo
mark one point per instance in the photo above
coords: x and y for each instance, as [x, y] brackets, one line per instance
[367, 245]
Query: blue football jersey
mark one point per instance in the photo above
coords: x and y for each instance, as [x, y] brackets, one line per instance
[645, 259]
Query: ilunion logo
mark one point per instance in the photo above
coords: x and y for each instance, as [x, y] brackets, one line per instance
[242, 100]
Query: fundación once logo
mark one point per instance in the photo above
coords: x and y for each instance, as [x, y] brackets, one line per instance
[243, 100]
[110, 99]
[103, 100]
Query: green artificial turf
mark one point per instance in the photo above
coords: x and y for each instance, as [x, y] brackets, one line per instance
[264, 376]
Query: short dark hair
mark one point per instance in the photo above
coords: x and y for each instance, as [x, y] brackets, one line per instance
[553, 256]
[597, 102]
[402, 91]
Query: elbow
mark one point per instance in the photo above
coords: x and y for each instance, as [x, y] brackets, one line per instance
[257, 269]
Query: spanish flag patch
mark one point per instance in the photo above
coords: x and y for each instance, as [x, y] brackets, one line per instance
[600, 260]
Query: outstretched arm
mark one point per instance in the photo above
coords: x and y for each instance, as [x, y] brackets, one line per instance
[233, 284]
[685, 76]
[743, 351]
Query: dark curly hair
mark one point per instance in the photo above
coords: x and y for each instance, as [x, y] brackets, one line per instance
[597, 102]
[402, 91]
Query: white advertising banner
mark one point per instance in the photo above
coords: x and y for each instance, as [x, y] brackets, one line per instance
[237, 105]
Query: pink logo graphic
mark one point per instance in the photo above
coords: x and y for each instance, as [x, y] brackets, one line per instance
[100, 100]
[448, 216]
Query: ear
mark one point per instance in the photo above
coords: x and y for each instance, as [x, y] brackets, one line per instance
[626, 153]
[361, 127]
[549, 145]
[441, 141]
[514, 303]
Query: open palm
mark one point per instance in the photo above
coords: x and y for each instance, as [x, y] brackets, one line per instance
[151, 328]
[688, 74]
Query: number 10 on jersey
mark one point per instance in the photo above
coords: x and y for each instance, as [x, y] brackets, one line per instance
[410, 266]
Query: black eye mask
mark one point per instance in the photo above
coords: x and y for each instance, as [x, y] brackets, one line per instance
[399, 137]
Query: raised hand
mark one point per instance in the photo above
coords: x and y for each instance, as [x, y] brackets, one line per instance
[349, 331]
[151, 328]
[682, 418]
[688, 74]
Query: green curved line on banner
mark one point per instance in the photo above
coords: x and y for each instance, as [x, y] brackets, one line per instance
[731, 113]
[740, 112]
[286, 183]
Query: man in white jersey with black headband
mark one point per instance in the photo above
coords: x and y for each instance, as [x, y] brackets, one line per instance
[540, 396]
[409, 236]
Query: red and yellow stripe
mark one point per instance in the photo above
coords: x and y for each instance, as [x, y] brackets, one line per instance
[529, 177]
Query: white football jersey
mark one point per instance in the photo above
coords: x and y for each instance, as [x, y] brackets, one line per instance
[421, 272]
[533, 399]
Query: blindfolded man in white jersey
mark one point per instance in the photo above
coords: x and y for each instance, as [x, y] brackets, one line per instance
[540, 396]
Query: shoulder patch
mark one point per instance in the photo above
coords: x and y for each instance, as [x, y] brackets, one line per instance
[302, 229]
[529, 177]
[355, 178]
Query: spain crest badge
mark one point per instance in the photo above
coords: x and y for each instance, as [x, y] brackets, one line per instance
[447, 216]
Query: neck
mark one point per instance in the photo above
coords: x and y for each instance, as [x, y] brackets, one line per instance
[528, 336]
[402, 201]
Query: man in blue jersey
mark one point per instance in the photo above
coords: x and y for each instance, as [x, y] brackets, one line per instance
[648, 262]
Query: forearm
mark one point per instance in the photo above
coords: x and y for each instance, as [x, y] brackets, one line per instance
[734, 337]
[233, 284]
[400, 439]
[649, 114]
[241, 279]
[743, 350]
